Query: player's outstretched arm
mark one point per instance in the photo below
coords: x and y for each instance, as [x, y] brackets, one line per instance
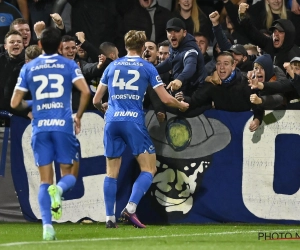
[169, 100]
[97, 101]
[85, 94]
[17, 101]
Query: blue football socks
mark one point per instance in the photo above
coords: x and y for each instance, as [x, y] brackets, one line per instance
[140, 187]
[66, 182]
[110, 192]
[45, 204]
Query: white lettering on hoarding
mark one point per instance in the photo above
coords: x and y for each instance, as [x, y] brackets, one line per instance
[258, 169]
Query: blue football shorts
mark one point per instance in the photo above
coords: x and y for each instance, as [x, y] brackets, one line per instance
[55, 146]
[119, 134]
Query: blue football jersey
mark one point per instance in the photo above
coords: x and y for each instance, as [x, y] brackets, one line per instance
[127, 79]
[50, 80]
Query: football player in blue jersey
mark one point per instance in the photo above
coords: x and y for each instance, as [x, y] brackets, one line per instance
[50, 78]
[127, 79]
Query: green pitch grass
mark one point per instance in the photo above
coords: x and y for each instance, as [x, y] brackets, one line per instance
[25, 236]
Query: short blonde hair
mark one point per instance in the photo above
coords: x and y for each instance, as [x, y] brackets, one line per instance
[32, 52]
[135, 40]
[251, 47]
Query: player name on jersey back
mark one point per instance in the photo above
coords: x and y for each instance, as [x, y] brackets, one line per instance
[51, 105]
[50, 80]
[48, 66]
[127, 79]
[125, 96]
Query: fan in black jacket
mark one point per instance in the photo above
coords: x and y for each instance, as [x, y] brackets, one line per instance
[280, 45]
[11, 63]
[231, 93]
[258, 15]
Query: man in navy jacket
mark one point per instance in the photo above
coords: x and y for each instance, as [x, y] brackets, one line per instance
[185, 61]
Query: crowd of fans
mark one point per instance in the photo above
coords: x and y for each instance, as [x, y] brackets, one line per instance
[228, 55]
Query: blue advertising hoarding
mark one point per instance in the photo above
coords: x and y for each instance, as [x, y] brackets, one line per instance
[211, 169]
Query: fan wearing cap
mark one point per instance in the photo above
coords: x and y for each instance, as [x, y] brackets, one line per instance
[281, 93]
[280, 45]
[263, 13]
[239, 50]
[241, 58]
[185, 61]
[278, 35]
[293, 67]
